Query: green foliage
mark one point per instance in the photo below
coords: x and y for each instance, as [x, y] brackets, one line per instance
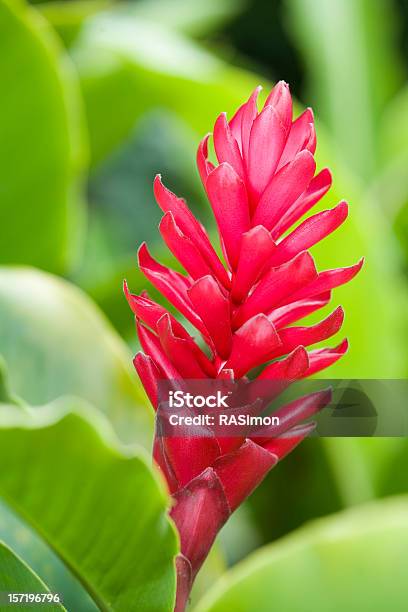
[99, 507]
[349, 48]
[115, 55]
[42, 144]
[354, 560]
[17, 577]
[193, 17]
[30, 546]
[315, 490]
[67, 17]
[6, 396]
[190, 16]
[213, 568]
[391, 186]
[56, 342]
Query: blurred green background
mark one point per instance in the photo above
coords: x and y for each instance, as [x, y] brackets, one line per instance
[97, 97]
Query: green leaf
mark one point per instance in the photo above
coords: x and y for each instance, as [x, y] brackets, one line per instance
[313, 492]
[29, 545]
[354, 68]
[43, 561]
[213, 568]
[391, 185]
[190, 16]
[393, 129]
[6, 396]
[67, 17]
[17, 577]
[119, 56]
[353, 561]
[56, 342]
[42, 143]
[101, 508]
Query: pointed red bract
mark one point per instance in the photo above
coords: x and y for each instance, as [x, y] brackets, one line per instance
[284, 444]
[241, 471]
[321, 359]
[281, 101]
[149, 375]
[277, 286]
[318, 187]
[284, 189]
[291, 337]
[267, 139]
[228, 197]
[301, 137]
[226, 147]
[292, 414]
[249, 114]
[290, 368]
[200, 510]
[216, 319]
[290, 313]
[252, 345]
[309, 232]
[255, 254]
[204, 166]
[179, 350]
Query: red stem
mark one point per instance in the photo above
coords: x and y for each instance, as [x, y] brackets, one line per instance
[184, 582]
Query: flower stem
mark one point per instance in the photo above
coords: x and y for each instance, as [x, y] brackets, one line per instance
[184, 582]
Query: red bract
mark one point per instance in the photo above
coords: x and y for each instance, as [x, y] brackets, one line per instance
[245, 310]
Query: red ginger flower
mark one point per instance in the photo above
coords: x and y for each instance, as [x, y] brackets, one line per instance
[264, 183]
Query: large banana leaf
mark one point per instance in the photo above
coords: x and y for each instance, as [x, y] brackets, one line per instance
[6, 395]
[17, 577]
[55, 342]
[352, 561]
[100, 508]
[42, 150]
[124, 72]
[191, 16]
[30, 546]
[392, 186]
[351, 56]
